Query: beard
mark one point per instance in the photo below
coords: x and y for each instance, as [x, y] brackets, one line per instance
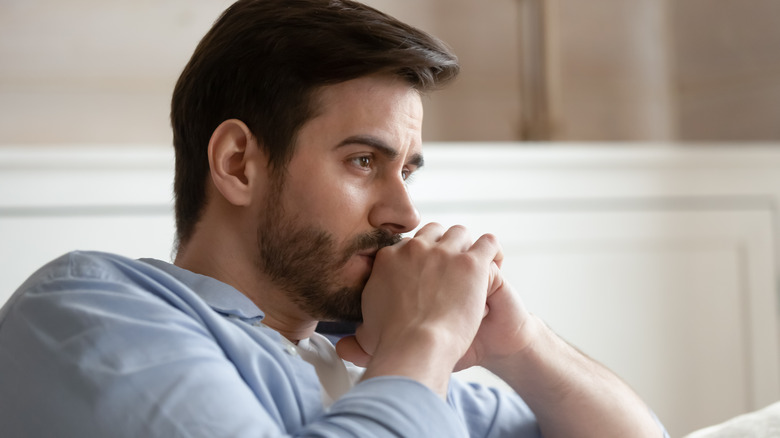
[304, 261]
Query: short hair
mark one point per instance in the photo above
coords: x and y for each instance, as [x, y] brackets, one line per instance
[262, 63]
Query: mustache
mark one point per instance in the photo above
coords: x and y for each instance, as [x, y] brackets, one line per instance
[376, 239]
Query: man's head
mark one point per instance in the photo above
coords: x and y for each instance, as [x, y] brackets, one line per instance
[343, 197]
[264, 61]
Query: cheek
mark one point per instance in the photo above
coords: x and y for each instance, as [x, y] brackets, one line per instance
[335, 206]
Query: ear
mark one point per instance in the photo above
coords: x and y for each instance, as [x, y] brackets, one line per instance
[233, 155]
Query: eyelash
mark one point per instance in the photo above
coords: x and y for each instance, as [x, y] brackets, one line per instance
[367, 161]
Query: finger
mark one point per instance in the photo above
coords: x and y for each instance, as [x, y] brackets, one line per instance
[431, 232]
[496, 280]
[456, 237]
[348, 349]
[487, 246]
[499, 259]
[396, 245]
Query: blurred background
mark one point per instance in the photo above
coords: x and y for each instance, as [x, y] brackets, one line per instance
[625, 153]
[561, 70]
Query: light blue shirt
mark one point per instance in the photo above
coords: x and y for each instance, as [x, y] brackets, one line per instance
[98, 345]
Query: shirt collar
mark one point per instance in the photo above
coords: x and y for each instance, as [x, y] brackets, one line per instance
[219, 296]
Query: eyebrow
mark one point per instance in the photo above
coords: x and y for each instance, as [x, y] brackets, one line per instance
[376, 143]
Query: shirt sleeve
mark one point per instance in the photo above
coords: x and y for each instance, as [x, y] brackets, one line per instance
[491, 412]
[104, 348]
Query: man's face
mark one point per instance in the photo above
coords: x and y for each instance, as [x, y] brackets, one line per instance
[343, 195]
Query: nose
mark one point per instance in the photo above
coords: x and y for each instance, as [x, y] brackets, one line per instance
[394, 210]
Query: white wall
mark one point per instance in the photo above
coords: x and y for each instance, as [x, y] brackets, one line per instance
[58, 199]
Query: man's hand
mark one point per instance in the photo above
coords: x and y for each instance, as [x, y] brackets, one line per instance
[424, 303]
[503, 331]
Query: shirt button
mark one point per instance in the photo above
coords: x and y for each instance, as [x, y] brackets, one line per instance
[291, 350]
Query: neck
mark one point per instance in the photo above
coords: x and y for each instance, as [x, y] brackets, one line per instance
[212, 255]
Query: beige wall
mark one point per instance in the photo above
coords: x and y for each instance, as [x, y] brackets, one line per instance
[607, 70]
[91, 71]
[690, 70]
[94, 71]
[726, 73]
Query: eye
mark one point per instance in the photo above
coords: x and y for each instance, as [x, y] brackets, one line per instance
[363, 162]
[407, 174]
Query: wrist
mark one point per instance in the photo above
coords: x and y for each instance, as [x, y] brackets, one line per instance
[523, 352]
[420, 356]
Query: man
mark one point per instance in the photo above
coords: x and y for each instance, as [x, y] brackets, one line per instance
[296, 124]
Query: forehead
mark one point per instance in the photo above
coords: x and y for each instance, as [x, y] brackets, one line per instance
[383, 106]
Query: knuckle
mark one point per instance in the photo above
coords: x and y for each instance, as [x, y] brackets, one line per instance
[458, 227]
[491, 238]
[434, 226]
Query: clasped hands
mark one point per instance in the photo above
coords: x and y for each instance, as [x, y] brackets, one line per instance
[436, 303]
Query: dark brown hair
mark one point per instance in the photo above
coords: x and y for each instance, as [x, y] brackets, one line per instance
[262, 62]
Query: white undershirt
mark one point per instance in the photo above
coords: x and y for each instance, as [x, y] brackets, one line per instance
[336, 376]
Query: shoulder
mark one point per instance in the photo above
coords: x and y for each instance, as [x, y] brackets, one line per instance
[67, 271]
[91, 265]
[95, 332]
[104, 298]
[101, 280]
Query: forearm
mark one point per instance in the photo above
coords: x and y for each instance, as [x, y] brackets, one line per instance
[570, 394]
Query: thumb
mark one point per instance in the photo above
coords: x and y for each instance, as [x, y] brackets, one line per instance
[350, 350]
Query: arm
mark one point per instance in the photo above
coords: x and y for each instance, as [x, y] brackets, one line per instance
[553, 377]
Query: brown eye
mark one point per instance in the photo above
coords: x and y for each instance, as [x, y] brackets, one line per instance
[363, 162]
